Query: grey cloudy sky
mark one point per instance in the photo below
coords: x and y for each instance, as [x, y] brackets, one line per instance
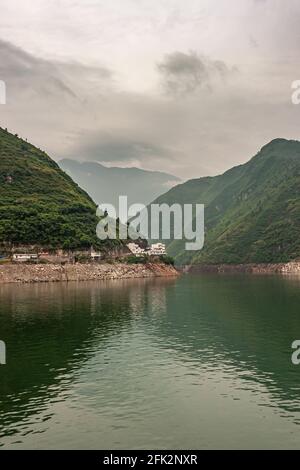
[191, 88]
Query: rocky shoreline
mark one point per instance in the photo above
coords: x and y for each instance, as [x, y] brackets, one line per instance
[292, 267]
[32, 273]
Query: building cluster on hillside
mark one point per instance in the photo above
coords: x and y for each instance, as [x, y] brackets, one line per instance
[156, 249]
[22, 257]
[57, 256]
[62, 257]
[42, 256]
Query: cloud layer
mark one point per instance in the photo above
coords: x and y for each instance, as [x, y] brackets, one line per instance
[185, 73]
[191, 89]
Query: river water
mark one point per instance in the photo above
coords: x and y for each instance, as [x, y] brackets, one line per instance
[198, 362]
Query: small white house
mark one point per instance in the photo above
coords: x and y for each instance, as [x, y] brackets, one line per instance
[136, 249]
[22, 257]
[95, 255]
[158, 249]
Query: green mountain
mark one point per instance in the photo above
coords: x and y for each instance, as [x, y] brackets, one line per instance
[105, 185]
[252, 212]
[39, 203]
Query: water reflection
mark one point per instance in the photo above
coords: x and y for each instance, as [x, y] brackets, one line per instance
[51, 330]
[245, 323]
[111, 355]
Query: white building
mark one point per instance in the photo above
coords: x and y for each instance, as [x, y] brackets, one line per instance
[158, 249]
[95, 255]
[22, 257]
[136, 249]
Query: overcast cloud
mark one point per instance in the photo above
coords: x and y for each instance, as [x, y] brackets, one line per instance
[191, 88]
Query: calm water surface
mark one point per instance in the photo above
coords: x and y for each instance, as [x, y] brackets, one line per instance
[195, 362]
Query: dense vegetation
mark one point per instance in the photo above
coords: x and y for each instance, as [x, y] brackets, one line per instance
[39, 203]
[252, 212]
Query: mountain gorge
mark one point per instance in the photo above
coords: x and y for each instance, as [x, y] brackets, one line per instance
[104, 184]
[252, 211]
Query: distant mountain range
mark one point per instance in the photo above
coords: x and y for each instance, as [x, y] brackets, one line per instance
[104, 184]
[252, 212]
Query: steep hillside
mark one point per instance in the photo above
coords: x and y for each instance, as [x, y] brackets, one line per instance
[252, 212]
[39, 203]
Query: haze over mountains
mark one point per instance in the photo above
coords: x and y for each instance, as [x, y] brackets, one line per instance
[252, 211]
[104, 184]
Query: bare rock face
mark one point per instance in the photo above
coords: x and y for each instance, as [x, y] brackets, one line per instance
[26, 273]
[292, 267]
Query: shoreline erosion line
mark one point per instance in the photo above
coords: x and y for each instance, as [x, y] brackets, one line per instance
[33, 273]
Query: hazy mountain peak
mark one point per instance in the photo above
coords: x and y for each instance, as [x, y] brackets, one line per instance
[105, 184]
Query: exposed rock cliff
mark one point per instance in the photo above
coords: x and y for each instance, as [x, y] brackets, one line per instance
[280, 268]
[81, 272]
